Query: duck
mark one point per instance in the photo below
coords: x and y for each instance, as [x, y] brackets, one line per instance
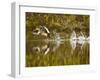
[42, 30]
[73, 36]
[80, 38]
[36, 31]
[45, 31]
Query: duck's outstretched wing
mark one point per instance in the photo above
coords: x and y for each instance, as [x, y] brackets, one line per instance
[46, 29]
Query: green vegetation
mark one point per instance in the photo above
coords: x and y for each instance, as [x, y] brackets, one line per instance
[54, 53]
[61, 23]
[63, 55]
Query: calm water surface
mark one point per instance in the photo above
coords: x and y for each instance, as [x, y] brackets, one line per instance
[56, 53]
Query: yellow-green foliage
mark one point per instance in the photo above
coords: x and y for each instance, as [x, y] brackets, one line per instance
[63, 24]
[60, 22]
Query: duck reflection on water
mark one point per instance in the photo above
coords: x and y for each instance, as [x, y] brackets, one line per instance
[46, 47]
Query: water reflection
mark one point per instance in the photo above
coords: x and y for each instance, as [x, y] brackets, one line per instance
[55, 53]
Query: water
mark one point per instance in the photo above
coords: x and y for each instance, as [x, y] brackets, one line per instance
[56, 52]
